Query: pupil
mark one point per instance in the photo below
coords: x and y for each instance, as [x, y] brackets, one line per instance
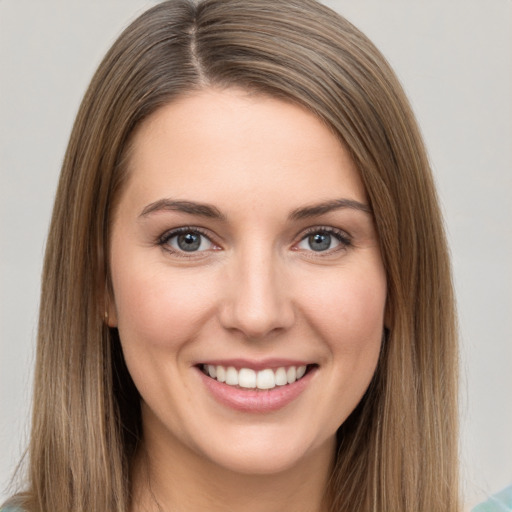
[189, 242]
[320, 241]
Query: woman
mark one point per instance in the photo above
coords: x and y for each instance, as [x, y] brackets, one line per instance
[246, 297]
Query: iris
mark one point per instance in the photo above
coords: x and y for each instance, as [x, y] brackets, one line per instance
[319, 241]
[189, 241]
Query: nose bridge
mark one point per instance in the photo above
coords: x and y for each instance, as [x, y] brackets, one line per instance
[258, 302]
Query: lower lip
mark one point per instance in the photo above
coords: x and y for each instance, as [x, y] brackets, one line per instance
[253, 400]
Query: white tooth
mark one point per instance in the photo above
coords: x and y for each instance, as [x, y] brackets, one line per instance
[247, 378]
[265, 379]
[301, 370]
[291, 374]
[212, 372]
[281, 379]
[221, 374]
[231, 376]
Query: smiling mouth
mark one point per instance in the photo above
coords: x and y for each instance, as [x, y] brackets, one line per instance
[247, 378]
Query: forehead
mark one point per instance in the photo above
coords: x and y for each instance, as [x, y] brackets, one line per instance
[229, 145]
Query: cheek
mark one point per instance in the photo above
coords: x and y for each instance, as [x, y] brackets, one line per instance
[350, 311]
[160, 310]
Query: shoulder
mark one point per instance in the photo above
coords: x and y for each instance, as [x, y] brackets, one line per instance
[10, 506]
[500, 502]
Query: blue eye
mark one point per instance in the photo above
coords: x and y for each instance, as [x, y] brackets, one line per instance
[186, 240]
[322, 240]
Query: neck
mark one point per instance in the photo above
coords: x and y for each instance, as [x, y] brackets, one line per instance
[173, 478]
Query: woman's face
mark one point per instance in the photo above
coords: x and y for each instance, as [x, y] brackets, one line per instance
[243, 247]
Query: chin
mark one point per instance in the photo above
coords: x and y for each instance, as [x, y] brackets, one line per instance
[269, 454]
[258, 464]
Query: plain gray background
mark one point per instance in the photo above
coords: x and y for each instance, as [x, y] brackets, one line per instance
[455, 61]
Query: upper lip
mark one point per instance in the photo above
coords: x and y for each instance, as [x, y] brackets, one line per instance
[256, 365]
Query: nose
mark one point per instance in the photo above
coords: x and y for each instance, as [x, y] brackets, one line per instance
[257, 301]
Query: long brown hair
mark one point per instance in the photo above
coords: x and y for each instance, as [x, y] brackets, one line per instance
[398, 449]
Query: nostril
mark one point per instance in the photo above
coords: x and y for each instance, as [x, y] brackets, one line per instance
[258, 305]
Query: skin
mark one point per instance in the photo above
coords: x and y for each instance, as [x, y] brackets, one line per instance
[255, 290]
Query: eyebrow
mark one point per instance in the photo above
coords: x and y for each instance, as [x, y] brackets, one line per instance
[210, 211]
[316, 210]
[202, 209]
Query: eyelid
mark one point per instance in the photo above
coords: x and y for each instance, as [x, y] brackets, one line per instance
[341, 235]
[344, 238]
[164, 238]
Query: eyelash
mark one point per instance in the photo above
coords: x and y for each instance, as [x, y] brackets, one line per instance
[341, 236]
[163, 240]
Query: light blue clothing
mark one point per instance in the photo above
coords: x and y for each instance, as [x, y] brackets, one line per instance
[500, 502]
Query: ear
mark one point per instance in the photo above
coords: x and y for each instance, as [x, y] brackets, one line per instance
[110, 318]
[111, 314]
[388, 316]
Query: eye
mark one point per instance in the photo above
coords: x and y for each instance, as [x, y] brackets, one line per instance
[186, 240]
[323, 240]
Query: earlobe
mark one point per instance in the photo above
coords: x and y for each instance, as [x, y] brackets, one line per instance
[110, 313]
[388, 317]
[110, 317]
